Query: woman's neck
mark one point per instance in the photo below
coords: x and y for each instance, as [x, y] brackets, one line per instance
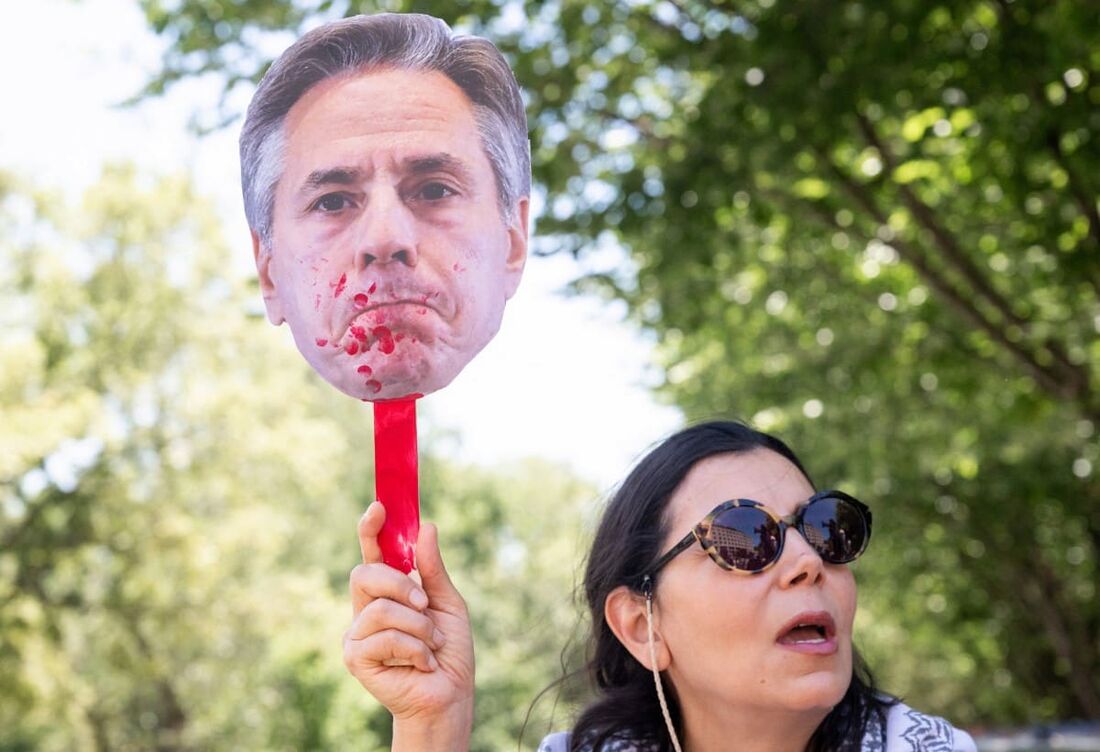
[750, 730]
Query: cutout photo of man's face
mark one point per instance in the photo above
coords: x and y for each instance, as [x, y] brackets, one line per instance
[390, 258]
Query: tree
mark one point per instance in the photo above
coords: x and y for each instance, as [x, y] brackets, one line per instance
[870, 226]
[513, 539]
[153, 525]
[178, 499]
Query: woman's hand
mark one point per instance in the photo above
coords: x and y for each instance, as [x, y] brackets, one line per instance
[410, 645]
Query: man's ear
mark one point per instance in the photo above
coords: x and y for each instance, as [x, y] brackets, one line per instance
[517, 246]
[264, 258]
[625, 613]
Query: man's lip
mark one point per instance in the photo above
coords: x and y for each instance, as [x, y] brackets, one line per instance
[427, 301]
[372, 306]
[810, 618]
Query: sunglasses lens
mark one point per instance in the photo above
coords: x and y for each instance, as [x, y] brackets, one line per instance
[746, 538]
[836, 528]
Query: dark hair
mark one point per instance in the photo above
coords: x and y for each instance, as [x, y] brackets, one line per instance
[385, 40]
[628, 540]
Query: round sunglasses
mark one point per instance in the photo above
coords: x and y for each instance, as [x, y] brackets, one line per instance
[744, 536]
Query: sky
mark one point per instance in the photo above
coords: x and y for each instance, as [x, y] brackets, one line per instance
[565, 379]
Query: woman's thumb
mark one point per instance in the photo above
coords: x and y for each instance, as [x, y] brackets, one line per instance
[433, 575]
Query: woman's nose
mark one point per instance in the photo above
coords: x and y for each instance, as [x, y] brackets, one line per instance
[800, 563]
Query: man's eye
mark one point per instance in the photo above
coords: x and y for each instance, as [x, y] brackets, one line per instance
[332, 202]
[435, 192]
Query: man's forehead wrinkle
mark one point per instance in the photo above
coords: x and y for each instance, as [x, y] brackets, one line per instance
[406, 113]
[305, 128]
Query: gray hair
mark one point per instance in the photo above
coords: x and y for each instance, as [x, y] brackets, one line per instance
[405, 41]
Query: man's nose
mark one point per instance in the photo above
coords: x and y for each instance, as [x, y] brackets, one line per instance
[386, 232]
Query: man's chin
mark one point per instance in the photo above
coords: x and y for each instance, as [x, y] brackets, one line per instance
[395, 380]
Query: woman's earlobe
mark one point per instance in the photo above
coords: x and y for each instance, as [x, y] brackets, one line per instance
[626, 615]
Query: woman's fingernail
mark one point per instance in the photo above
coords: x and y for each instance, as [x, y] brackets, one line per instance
[418, 599]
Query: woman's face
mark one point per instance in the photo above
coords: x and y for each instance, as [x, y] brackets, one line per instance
[732, 638]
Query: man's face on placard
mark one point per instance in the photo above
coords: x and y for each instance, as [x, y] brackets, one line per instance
[391, 259]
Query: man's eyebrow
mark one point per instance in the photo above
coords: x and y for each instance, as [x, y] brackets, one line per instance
[331, 176]
[441, 161]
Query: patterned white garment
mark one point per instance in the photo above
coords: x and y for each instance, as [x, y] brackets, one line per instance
[906, 731]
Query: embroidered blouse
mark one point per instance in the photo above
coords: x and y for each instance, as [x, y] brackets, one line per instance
[906, 730]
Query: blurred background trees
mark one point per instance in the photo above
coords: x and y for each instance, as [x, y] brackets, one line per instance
[179, 497]
[870, 227]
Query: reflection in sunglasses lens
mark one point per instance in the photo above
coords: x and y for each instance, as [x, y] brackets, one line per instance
[746, 538]
[835, 529]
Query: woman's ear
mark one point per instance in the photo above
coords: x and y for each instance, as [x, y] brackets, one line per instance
[625, 611]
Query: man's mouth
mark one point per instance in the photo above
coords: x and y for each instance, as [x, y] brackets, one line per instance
[392, 296]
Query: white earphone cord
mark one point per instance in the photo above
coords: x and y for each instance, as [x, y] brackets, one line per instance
[657, 675]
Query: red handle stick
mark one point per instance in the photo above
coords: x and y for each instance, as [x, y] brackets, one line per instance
[395, 480]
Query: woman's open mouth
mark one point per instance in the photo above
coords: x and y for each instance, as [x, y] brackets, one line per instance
[812, 632]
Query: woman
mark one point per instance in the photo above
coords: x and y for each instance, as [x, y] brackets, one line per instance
[722, 608]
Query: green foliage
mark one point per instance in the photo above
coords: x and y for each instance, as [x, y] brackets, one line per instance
[144, 570]
[874, 228]
[178, 500]
[513, 541]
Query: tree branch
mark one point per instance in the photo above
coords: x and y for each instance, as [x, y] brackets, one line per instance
[1085, 202]
[1040, 588]
[1070, 380]
[962, 304]
[923, 213]
[1080, 192]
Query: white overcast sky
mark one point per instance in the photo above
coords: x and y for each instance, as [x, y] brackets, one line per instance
[564, 379]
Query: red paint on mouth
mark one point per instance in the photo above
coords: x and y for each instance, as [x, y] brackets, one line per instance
[359, 333]
[374, 385]
[361, 301]
[351, 348]
[364, 370]
[384, 338]
[399, 337]
[340, 285]
[372, 288]
[321, 342]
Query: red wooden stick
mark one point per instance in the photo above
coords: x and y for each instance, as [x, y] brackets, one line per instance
[395, 480]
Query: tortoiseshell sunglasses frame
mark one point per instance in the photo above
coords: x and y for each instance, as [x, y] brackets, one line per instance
[701, 532]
